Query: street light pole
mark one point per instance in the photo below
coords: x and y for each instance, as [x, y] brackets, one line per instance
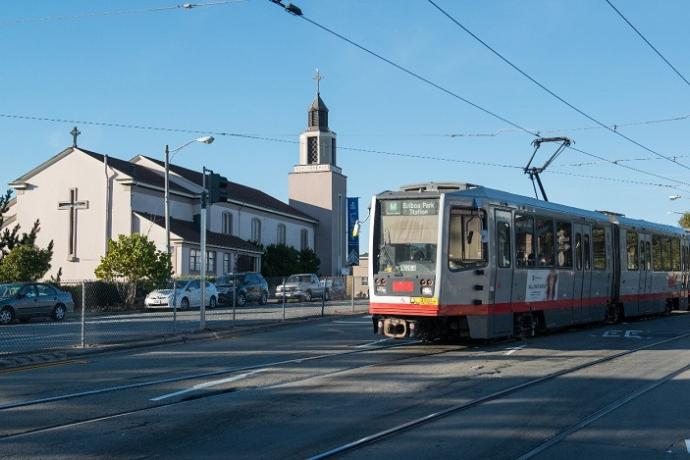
[202, 242]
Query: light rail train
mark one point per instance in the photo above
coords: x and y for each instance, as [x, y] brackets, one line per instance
[465, 261]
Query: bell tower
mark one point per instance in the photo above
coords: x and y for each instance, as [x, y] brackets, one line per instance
[317, 187]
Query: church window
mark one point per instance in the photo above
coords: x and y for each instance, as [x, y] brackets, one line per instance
[312, 150]
[227, 261]
[256, 230]
[227, 223]
[304, 239]
[194, 260]
[281, 234]
[333, 151]
[211, 262]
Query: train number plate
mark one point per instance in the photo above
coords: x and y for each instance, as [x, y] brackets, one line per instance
[424, 300]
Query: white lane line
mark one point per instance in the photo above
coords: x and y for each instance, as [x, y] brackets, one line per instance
[512, 350]
[371, 344]
[687, 445]
[351, 322]
[209, 384]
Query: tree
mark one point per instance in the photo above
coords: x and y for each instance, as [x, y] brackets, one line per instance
[308, 261]
[25, 262]
[134, 261]
[685, 220]
[11, 238]
[279, 260]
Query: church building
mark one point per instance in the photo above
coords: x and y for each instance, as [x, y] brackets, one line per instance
[84, 199]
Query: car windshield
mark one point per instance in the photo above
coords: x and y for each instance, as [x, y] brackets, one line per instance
[8, 290]
[299, 279]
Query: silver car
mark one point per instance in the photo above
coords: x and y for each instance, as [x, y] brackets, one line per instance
[186, 295]
[23, 301]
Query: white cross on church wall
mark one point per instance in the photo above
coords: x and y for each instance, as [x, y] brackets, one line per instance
[73, 205]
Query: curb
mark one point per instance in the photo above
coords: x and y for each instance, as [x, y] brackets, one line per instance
[52, 356]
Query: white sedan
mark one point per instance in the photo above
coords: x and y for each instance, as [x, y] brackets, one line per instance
[187, 294]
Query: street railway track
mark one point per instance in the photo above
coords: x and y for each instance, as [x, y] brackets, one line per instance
[420, 421]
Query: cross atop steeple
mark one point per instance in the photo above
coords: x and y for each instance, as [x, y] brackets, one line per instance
[75, 133]
[318, 77]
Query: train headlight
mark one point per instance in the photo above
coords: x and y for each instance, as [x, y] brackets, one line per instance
[428, 291]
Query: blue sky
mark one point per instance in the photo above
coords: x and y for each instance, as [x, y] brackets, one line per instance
[247, 67]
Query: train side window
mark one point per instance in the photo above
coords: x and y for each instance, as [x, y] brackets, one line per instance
[599, 248]
[503, 238]
[657, 254]
[666, 244]
[643, 259]
[675, 251]
[631, 240]
[524, 241]
[648, 254]
[564, 245]
[588, 253]
[578, 251]
[545, 246]
[468, 239]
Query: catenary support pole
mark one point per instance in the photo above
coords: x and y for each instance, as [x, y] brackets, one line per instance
[283, 290]
[352, 292]
[83, 314]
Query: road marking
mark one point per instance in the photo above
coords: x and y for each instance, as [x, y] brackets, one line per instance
[351, 322]
[370, 344]
[209, 384]
[620, 334]
[687, 445]
[42, 365]
[512, 350]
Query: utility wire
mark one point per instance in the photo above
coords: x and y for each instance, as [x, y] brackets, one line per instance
[648, 43]
[529, 77]
[354, 149]
[186, 6]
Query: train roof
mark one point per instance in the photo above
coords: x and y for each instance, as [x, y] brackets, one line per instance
[499, 196]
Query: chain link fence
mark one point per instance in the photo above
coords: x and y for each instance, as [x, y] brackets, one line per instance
[102, 313]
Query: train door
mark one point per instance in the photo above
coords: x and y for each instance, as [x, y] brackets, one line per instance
[580, 315]
[645, 275]
[585, 300]
[630, 272]
[503, 250]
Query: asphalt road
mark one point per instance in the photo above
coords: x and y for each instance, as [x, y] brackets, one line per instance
[303, 390]
[100, 329]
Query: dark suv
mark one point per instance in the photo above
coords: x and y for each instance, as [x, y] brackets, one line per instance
[250, 287]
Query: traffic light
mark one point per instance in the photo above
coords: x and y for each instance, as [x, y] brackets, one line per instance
[217, 187]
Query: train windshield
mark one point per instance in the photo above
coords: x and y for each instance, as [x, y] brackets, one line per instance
[406, 236]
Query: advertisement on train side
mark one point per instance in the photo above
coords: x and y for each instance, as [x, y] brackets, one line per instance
[541, 285]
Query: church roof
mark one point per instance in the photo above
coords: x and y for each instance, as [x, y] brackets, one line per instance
[241, 193]
[137, 172]
[190, 233]
[318, 104]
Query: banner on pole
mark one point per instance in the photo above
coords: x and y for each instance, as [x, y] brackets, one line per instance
[352, 241]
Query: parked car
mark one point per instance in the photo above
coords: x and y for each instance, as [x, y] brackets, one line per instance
[251, 287]
[335, 288]
[305, 286]
[23, 301]
[187, 294]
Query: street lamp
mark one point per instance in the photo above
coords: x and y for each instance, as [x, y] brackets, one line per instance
[674, 197]
[203, 140]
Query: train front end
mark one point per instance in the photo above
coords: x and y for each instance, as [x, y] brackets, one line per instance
[403, 271]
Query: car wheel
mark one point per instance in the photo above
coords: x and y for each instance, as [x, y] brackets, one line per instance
[184, 304]
[241, 299]
[264, 298]
[6, 315]
[212, 303]
[326, 295]
[307, 296]
[59, 312]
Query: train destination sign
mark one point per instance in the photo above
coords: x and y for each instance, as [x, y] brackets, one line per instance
[410, 207]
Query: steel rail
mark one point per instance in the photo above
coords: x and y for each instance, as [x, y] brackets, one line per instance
[372, 438]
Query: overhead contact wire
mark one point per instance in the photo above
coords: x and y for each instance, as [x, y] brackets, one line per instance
[529, 77]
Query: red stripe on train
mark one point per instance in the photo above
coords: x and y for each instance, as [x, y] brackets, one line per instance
[488, 309]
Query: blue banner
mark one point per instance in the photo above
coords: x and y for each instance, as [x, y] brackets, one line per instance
[352, 241]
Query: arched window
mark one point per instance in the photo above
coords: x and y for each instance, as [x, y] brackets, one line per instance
[227, 223]
[304, 239]
[256, 230]
[281, 234]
